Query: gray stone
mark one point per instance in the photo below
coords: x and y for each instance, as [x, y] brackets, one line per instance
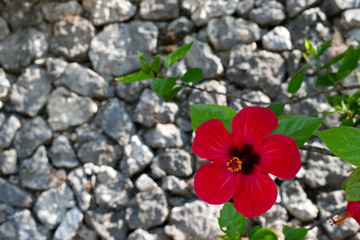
[51, 205]
[140, 234]
[333, 7]
[22, 14]
[108, 225]
[116, 122]
[148, 209]
[113, 189]
[244, 7]
[32, 134]
[198, 97]
[100, 151]
[5, 212]
[178, 29]
[270, 13]
[256, 70]
[151, 110]
[20, 48]
[226, 32]
[310, 24]
[84, 81]
[155, 10]
[294, 7]
[66, 109]
[55, 66]
[145, 183]
[56, 11]
[329, 203]
[71, 37]
[37, 174]
[203, 10]
[137, 156]
[62, 154]
[86, 133]
[175, 162]
[202, 56]
[114, 50]
[14, 196]
[163, 136]
[131, 92]
[21, 226]
[194, 220]
[253, 96]
[8, 131]
[296, 201]
[4, 84]
[81, 186]
[8, 163]
[68, 227]
[351, 18]
[175, 185]
[4, 29]
[103, 12]
[85, 233]
[30, 92]
[278, 39]
[275, 218]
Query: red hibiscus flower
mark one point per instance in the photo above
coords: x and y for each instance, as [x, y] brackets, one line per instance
[352, 210]
[241, 160]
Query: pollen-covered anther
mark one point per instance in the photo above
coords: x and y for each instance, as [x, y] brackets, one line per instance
[339, 220]
[234, 164]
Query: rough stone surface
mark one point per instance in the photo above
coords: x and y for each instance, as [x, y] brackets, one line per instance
[175, 162]
[275, 218]
[151, 110]
[67, 109]
[244, 7]
[294, 7]
[116, 122]
[114, 50]
[270, 13]
[8, 163]
[137, 156]
[351, 18]
[154, 9]
[198, 97]
[32, 134]
[335, 6]
[30, 92]
[22, 14]
[194, 220]
[68, 227]
[62, 154]
[148, 209]
[14, 196]
[56, 11]
[8, 131]
[228, 31]
[278, 39]
[21, 48]
[52, 205]
[113, 189]
[4, 84]
[81, 186]
[140, 234]
[296, 201]
[163, 136]
[71, 37]
[175, 185]
[84, 81]
[131, 92]
[145, 183]
[4, 29]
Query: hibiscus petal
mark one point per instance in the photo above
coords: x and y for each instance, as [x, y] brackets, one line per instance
[212, 141]
[353, 208]
[252, 124]
[214, 183]
[279, 156]
[255, 194]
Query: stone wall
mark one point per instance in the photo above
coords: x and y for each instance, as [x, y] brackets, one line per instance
[85, 157]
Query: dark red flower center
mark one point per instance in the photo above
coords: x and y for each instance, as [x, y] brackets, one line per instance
[243, 160]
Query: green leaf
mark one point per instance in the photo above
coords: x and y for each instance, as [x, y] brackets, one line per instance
[171, 94]
[177, 54]
[298, 127]
[296, 234]
[263, 234]
[333, 60]
[322, 47]
[231, 222]
[344, 142]
[203, 112]
[138, 76]
[285, 229]
[310, 48]
[193, 75]
[144, 65]
[326, 80]
[295, 82]
[155, 64]
[277, 108]
[343, 185]
[349, 63]
[162, 86]
[353, 186]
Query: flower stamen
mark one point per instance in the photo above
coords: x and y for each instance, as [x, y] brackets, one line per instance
[339, 220]
[234, 164]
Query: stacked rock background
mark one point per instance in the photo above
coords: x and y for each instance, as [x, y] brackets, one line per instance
[85, 157]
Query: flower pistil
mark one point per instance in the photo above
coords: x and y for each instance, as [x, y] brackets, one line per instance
[234, 164]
